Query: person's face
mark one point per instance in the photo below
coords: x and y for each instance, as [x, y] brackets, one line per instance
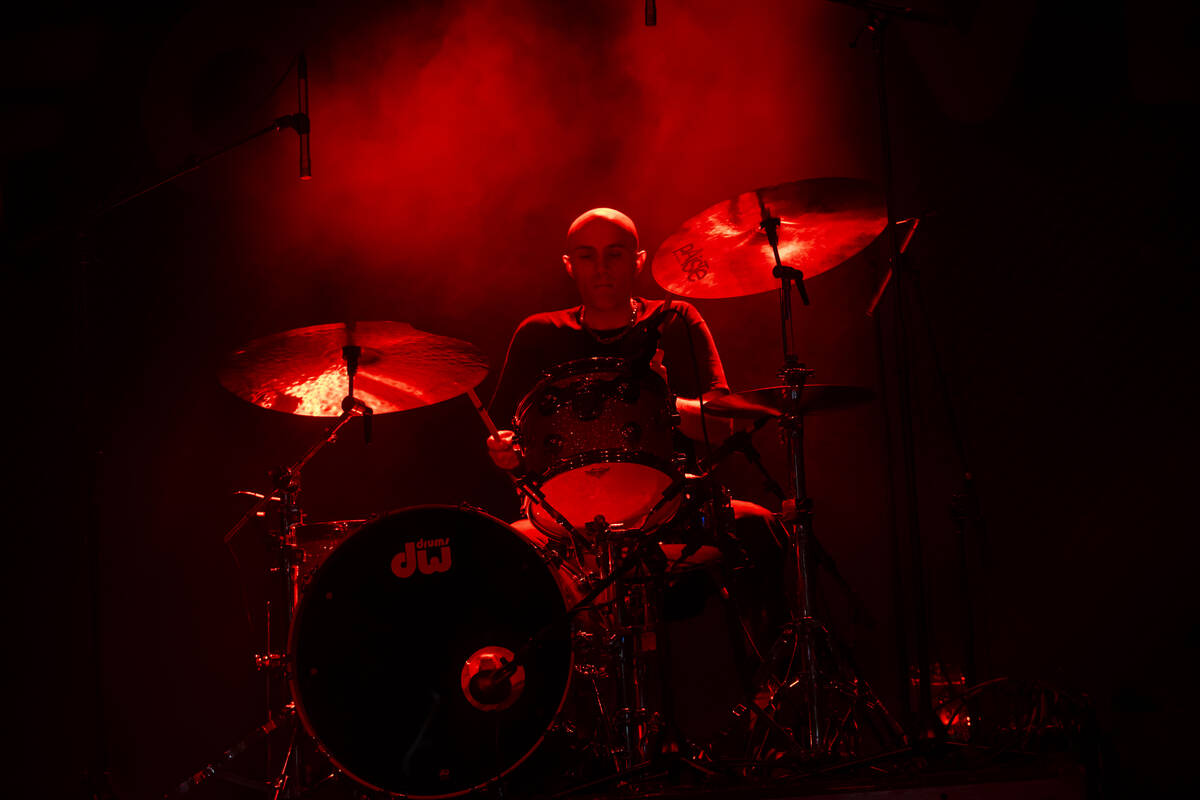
[604, 260]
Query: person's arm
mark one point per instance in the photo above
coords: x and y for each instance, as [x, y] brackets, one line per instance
[701, 374]
[693, 425]
[502, 447]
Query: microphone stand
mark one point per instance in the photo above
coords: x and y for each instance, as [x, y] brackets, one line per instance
[82, 230]
[297, 122]
[924, 726]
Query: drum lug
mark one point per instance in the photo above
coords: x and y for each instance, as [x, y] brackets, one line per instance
[631, 433]
[290, 555]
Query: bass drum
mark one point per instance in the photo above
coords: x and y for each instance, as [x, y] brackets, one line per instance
[394, 633]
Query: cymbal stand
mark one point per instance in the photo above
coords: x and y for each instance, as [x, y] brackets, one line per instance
[806, 646]
[741, 442]
[286, 491]
[217, 766]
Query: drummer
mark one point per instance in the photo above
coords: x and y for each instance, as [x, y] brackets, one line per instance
[603, 257]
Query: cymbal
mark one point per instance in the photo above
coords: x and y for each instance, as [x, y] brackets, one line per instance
[303, 372]
[772, 401]
[722, 251]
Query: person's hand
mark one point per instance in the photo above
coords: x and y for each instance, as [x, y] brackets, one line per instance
[503, 451]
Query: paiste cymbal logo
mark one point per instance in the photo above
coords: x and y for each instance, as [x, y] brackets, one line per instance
[691, 260]
[426, 556]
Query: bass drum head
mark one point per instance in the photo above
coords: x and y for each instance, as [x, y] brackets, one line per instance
[383, 633]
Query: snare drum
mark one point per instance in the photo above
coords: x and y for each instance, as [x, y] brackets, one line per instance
[395, 625]
[600, 442]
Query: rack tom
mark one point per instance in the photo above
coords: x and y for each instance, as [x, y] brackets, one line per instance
[598, 437]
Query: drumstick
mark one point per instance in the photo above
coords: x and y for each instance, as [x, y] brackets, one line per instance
[483, 414]
[523, 486]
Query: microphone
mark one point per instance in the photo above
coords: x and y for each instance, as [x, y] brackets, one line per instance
[739, 442]
[651, 13]
[302, 123]
[654, 321]
[650, 330]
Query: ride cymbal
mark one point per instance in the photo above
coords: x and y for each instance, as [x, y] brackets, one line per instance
[773, 401]
[303, 371]
[722, 252]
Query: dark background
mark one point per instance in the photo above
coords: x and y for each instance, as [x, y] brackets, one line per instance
[1049, 148]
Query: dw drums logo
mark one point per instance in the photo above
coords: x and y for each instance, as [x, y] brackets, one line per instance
[426, 556]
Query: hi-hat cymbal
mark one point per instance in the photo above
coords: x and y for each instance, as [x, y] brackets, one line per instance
[722, 251]
[772, 401]
[303, 371]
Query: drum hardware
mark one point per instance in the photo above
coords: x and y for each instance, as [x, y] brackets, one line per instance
[774, 401]
[823, 690]
[302, 372]
[724, 252]
[737, 248]
[742, 442]
[625, 590]
[744, 405]
[270, 661]
[632, 574]
[306, 371]
[290, 556]
[456, 707]
[634, 626]
[218, 766]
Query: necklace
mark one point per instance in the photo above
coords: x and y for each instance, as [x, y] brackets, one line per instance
[633, 312]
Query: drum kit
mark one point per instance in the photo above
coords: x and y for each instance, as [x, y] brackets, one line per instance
[436, 651]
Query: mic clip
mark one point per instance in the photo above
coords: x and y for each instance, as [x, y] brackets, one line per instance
[297, 122]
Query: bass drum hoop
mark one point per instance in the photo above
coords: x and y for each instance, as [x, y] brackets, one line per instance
[297, 694]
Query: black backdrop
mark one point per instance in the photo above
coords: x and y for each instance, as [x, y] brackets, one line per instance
[1048, 149]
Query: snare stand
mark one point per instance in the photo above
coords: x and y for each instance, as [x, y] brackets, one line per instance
[634, 620]
[634, 602]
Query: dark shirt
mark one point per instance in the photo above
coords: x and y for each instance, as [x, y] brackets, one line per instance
[545, 340]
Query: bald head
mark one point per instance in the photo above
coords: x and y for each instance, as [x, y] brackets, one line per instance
[603, 259]
[609, 215]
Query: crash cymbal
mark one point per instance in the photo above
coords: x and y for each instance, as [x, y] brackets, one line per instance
[303, 372]
[722, 251]
[772, 401]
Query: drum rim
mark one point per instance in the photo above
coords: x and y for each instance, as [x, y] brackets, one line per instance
[610, 456]
[577, 366]
[293, 672]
